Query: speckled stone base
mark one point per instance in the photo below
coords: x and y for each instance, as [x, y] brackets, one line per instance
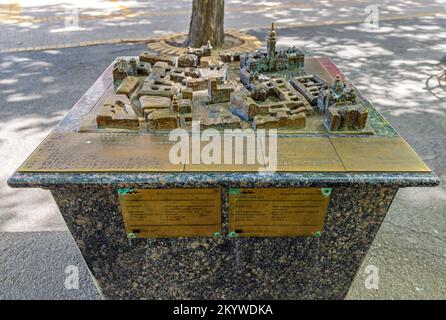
[225, 268]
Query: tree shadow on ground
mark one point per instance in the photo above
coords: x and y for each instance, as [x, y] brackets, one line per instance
[36, 91]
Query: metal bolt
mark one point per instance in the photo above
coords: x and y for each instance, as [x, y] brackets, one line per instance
[125, 190]
[326, 191]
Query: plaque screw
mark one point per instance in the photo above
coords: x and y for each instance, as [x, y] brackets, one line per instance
[326, 191]
[125, 190]
[317, 234]
[131, 235]
[217, 235]
[232, 234]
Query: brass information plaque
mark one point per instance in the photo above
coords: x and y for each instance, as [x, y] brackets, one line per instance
[377, 154]
[101, 152]
[277, 212]
[157, 213]
[304, 154]
[232, 164]
[137, 152]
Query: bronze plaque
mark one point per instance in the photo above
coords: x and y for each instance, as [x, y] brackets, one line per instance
[244, 160]
[277, 212]
[101, 152]
[303, 154]
[158, 213]
[378, 154]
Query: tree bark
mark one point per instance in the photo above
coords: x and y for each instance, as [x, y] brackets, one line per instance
[206, 23]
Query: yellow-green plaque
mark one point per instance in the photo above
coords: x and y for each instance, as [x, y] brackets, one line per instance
[158, 213]
[277, 212]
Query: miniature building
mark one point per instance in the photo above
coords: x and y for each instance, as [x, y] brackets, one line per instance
[220, 118]
[117, 112]
[152, 103]
[281, 120]
[337, 93]
[204, 51]
[264, 122]
[123, 68]
[193, 73]
[340, 106]
[246, 77]
[229, 56]
[309, 86]
[184, 106]
[272, 60]
[159, 69]
[162, 120]
[210, 62]
[268, 99]
[187, 60]
[346, 116]
[249, 78]
[187, 93]
[157, 88]
[176, 74]
[153, 58]
[219, 92]
[128, 86]
[260, 92]
[197, 79]
[197, 84]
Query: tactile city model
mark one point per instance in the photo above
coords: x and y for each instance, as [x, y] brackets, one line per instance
[266, 89]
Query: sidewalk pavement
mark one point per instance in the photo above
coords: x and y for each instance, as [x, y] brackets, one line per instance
[29, 24]
[393, 66]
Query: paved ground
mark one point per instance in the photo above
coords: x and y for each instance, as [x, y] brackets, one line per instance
[26, 24]
[37, 89]
[394, 66]
[35, 265]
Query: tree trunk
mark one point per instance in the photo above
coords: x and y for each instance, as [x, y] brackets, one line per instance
[206, 23]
